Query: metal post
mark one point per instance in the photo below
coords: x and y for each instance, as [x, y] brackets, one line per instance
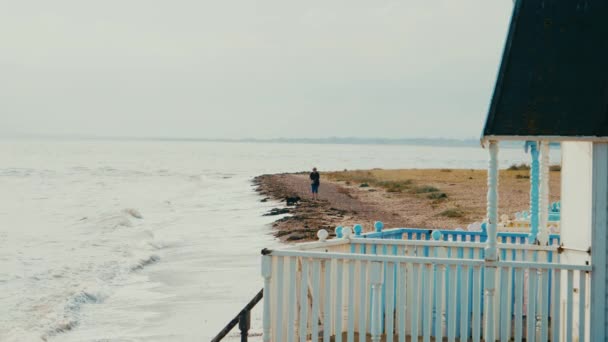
[244, 324]
[238, 319]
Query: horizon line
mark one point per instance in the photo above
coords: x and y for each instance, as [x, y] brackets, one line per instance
[231, 139]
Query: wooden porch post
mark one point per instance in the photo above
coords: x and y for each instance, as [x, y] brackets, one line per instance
[599, 237]
[534, 190]
[266, 273]
[543, 202]
[491, 253]
[375, 276]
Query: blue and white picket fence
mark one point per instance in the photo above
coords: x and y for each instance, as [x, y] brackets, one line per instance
[454, 250]
[317, 292]
[450, 235]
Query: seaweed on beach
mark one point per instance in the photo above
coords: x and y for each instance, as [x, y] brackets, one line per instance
[425, 189]
[452, 213]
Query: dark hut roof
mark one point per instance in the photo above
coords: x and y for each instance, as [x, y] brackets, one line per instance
[553, 79]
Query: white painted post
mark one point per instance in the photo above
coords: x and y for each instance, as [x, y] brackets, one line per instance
[491, 248]
[599, 254]
[266, 273]
[375, 276]
[543, 205]
[491, 253]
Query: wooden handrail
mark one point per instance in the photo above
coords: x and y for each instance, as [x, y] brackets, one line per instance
[243, 319]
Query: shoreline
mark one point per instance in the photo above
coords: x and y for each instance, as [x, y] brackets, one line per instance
[304, 217]
[406, 198]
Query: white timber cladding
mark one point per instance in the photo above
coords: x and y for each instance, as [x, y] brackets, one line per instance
[599, 281]
[576, 222]
[576, 196]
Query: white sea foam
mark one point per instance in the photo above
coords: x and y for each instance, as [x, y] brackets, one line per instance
[133, 213]
[18, 334]
[145, 262]
[101, 255]
[70, 317]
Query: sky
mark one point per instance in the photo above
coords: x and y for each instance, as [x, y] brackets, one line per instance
[249, 69]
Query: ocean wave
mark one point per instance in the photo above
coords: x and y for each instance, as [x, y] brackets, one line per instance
[25, 172]
[133, 213]
[149, 241]
[105, 258]
[223, 175]
[106, 171]
[71, 311]
[121, 219]
[116, 221]
[60, 328]
[158, 244]
[152, 259]
[153, 244]
[20, 335]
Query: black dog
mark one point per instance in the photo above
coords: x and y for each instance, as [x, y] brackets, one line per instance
[293, 200]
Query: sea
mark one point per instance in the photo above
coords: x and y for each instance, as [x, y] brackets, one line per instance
[155, 240]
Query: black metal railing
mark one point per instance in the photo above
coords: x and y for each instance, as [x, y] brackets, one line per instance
[243, 319]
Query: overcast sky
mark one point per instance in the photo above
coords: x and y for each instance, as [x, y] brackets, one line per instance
[264, 69]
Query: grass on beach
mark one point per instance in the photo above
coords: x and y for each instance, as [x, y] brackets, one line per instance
[393, 182]
[456, 195]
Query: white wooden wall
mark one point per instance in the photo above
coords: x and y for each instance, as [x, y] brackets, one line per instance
[599, 281]
[576, 216]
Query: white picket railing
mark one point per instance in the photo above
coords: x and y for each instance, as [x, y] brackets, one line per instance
[432, 248]
[332, 290]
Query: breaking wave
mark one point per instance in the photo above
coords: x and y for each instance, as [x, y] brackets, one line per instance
[71, 312]
[124, 218]
[152, 259]
[133, 213]
[132, 250]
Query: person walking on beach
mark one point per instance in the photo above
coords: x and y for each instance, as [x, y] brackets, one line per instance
[315, 181]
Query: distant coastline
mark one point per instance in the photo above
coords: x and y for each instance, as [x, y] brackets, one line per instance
[367, 141]
[439, 142]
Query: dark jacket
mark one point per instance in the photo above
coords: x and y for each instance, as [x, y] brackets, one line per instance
[315, 178]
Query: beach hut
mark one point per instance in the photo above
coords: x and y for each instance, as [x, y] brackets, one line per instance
[396, 285]
[553, 87]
